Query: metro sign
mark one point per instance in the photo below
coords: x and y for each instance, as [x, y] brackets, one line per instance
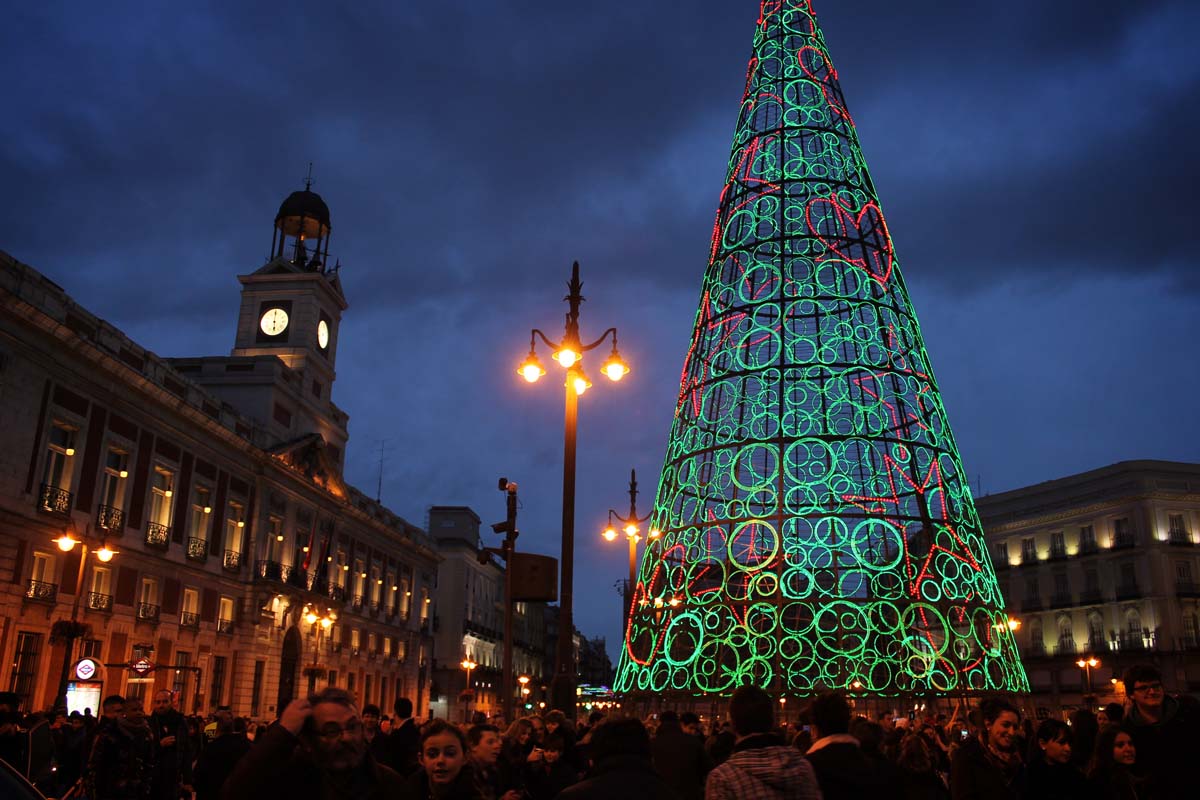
[141, 667]
[85, 670]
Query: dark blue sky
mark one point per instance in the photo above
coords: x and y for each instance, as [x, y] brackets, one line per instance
[1037, 161]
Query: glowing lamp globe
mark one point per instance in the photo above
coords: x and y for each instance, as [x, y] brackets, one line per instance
[566, 357]
[610, 534]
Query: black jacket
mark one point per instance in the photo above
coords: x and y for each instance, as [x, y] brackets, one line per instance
[681, 760]
[400, 748]
[277, 767]
[844, 771]
[976, 776]
[173, 764]
[216, 763]
[620, 777]
[1168, 751]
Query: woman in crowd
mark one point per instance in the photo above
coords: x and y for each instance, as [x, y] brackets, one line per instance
[515, 753]
[1111, 773]
[989, 766]
[1051, 774]
[444, 773]
[920, 778]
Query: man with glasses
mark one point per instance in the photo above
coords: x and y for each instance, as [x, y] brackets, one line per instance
[317, 749]
[1166, 733]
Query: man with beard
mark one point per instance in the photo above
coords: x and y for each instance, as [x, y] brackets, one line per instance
[122, 757]
[173, 766]
[315, 750]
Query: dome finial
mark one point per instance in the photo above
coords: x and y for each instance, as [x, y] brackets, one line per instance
[308, 179]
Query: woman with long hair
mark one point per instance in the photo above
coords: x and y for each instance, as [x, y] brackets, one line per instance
[919, 775]
[1051, 774]
[989, 767]
[1111, 772]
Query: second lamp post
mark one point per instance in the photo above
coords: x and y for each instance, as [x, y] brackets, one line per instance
[569, 354]
[632, 532]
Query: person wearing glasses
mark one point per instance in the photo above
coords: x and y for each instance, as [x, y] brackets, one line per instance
[1166, 732]
[317, 749]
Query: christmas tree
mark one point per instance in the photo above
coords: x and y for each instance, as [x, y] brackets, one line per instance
[817, 528]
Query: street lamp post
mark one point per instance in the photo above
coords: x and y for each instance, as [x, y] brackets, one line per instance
[632, 533]
[569, 354]
[320, 624]
[70, 630]
[468, 665]
[1087, 665]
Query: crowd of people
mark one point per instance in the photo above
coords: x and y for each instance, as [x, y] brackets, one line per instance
[326, 746]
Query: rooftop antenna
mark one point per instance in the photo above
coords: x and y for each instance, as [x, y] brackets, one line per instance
[379, 486]
[308, 181]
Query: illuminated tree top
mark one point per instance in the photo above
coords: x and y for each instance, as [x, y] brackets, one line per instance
[818, 529]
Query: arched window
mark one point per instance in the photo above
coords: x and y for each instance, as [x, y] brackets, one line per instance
[1095, 631]
[1066, 635]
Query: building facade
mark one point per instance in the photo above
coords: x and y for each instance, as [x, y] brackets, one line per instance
[469, 627]
[246, 571]
[1102, 567]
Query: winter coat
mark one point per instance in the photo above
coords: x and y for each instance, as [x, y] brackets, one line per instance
[216, 763]
[621, 776]
[401, 747]
[680, 758]
[1168, 751]
[1045, 781]
[174, 764]
[922, 786]
[977, 775]
[278, 767]
[844, 771]
[121, 762]
[762, 767]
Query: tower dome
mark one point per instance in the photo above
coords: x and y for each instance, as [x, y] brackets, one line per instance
[302, 223]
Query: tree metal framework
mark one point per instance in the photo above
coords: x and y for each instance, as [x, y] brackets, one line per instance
[818, 529]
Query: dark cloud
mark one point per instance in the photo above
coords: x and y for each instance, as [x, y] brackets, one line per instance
[1036, 161]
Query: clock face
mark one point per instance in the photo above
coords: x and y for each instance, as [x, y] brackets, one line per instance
[323, 334]
[274, 321]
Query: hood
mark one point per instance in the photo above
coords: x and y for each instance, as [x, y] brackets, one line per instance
[774, 767]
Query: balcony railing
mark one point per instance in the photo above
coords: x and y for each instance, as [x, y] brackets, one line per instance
[111, 519]
[197, 549]
[1122, 541]
[1065, 647]
[189, 619]
[232, 562]
[1128, 591]
[1187, 588]
[225, 626]
[1058, 553]
[272, 571]
[42, 591]
[54, 500]
[1091, 597]
[100, 602]
[1061, 600]
[1188, 643]
[1088, 547]
[1029, 556]
[148, 612]
[358, 602]
[158, 535]
[337, 593]
[1180, 538]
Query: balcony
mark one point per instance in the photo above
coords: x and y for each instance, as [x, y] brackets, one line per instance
[157, 535]
[1128, 591]
[232, 562]
[147, 612]
[100, 602]
[1187, 588]
[1032, 604]
[272, 571]
[42, 591]
[1188, 643]
[1061, 600]
[225, 626]
[335, 647]
[1029, 556]
[1133, 640]
[1065, 647]
[1037, 648]
[189, 619]
[1122, 541]
[197, 549]
[1058, 553]
[354, 651]
[358, 602]
[337, 593]
[371, 655]
[1088, 547]
[1091, 597]
[54, 500]
[111, 519]
[1180, 538]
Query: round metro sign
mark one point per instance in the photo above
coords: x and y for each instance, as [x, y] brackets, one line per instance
[85, 670]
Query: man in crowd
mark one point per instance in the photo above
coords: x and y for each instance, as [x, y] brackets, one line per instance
[404, 741]
[842, 769]
[316, 750]
[485, 744]
[621, 766]
[376, 739]
[220, 757]
[761, 766]
[122, 759]
[173, 765]
[679, 757]
[1165, 732]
